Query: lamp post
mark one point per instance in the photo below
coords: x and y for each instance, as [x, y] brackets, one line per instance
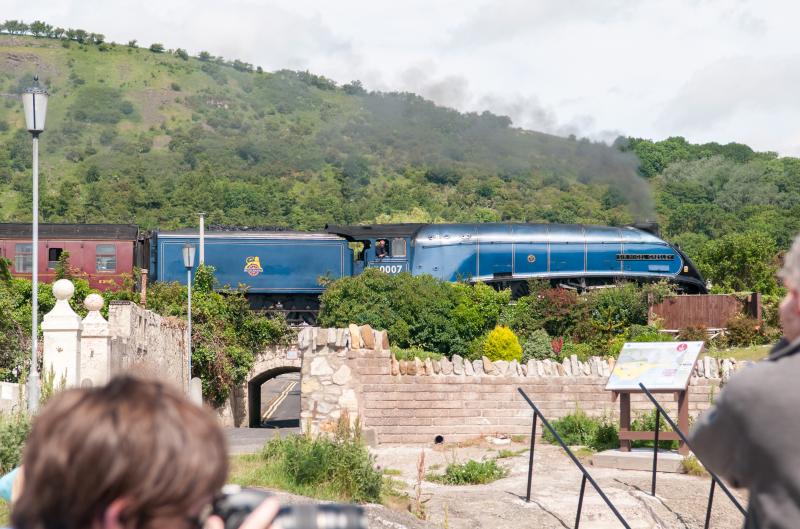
[34, 101]
[188, 262]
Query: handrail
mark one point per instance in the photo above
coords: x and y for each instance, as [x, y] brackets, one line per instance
[714, 479]
[586, 475]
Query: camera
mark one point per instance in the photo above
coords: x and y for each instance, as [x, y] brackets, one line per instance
[235, 503]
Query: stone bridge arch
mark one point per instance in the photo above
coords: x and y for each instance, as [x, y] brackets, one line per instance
[330, 362]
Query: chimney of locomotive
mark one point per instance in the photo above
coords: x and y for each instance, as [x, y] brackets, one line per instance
[649, 226]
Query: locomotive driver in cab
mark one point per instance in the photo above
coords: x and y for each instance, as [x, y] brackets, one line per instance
[752, 434]
[381, 249]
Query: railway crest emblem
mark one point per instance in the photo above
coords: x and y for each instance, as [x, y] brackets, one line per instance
[252, 265]
[531, 258]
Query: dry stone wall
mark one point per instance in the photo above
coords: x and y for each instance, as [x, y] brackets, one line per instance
[143, 341]
[353, 370]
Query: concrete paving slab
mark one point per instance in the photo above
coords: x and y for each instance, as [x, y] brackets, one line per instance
[638, 459]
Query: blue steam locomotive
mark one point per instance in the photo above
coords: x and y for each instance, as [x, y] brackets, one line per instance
[282, 269]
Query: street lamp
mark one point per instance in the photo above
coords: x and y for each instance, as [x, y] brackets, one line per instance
[34, 100]
[188, 262]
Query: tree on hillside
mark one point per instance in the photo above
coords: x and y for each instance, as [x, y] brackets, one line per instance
[157, 48]
[132, 43]
[741, 262]
[204, 56]
[180, 52]
[58, 33]
[97, 38]
[81, 35]
[40, 29]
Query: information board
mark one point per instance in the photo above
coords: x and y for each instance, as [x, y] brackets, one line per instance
[658, 365]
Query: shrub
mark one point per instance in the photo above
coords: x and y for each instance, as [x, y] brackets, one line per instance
[636, 333]
[574, 429]
[538, 346]
[582, 350]
[340, 468]
[157, 48]
[502, 344]
[743, 331]
[414, 352]
[470, 473]
[693, 334]
[580, 429]
[646, 422]
[14, 430]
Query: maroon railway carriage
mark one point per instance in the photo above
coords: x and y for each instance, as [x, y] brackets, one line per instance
[104, 254]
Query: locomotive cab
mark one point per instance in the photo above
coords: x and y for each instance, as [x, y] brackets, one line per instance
[387, 247]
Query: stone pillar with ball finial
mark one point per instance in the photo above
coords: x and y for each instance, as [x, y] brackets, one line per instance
[61, 330]
[95, 357]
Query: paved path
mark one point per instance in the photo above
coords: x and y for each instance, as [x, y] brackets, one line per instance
[280, 413]
[280, 401]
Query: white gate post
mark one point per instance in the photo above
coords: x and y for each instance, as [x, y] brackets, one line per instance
[61, 329]
[95, 366]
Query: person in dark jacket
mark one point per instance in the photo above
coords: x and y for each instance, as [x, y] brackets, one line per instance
[751, 437]
[381, 250]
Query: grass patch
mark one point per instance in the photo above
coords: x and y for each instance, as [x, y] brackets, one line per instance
[392, 472]
[415, 352]
[753, 353]
[519, 438]
[338, 469]
[505, 453]
[692, 466]
[470, 473]
[5, 515]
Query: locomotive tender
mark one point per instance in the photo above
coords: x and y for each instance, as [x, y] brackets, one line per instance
[281, 270]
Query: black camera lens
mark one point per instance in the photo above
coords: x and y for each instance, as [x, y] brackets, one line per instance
[235, 503]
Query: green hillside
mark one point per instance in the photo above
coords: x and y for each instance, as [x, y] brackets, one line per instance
[154, 137]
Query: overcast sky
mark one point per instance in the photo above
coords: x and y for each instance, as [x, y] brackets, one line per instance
[707, 70]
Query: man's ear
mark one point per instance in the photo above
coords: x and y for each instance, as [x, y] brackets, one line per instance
[795, 301]
[112, 516]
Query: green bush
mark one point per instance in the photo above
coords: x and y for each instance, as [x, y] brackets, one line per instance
[574, 429]
[337, 468]
[693, 334]
[470, 473]
[414, 352]
[14, 430]
[743, 331]
[502, 344]
[636, 333]
[582, 350]
[578, 429]
[646, 422]
[538, 346]
[417, 311]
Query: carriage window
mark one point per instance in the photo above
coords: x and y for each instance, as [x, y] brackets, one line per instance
[398, 247]
[52, 257]
[23, 258]
[106, 258]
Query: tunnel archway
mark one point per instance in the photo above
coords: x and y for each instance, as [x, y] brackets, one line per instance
[254, 395]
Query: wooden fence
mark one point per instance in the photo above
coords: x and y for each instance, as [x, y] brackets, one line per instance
[709, 311]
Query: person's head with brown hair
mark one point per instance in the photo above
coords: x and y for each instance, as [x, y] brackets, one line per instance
[132, 454]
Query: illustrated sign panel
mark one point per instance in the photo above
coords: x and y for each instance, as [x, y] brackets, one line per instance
[658, 365]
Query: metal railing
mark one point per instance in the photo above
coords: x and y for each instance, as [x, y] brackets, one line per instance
[714, 479]
[586, 475]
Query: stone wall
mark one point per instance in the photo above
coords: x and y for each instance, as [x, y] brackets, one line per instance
[10, 394]
[143, 341]
[414, 401]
